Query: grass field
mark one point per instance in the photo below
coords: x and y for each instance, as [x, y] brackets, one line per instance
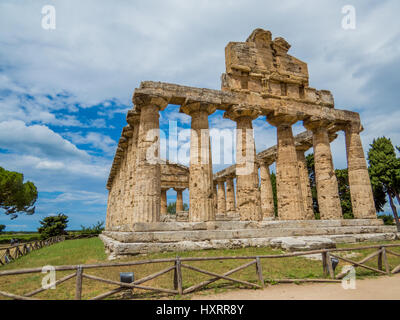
[84, 251]
[22, 237]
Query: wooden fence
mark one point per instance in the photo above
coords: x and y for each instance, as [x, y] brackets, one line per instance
[179, 263]
[11, 253]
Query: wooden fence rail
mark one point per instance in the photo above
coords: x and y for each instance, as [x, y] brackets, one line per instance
[11, 253]
[181, 263]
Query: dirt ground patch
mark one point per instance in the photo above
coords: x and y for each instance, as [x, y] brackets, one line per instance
[382, 288]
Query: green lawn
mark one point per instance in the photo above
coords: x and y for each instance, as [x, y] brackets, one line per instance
[22, 237]
[84, 251]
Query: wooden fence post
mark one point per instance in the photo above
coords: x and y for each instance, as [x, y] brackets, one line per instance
[178, 271]
[259, 272]
[175, 278]
[78, 289]
[329, 264]
[380, 256]
[324, 266]
[385, 260]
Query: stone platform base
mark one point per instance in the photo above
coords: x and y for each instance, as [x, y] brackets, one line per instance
[292, 235]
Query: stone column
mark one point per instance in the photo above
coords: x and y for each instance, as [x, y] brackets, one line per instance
[362, 199]
[133, 118]
[230, 196]
[266, 194]
[290, 201]
[215, 196]
[327, 186]
[200, 171]
[163, 209]
[305, 183]
[179, 200]
[147, 189]
[221, 197]
[247, 192]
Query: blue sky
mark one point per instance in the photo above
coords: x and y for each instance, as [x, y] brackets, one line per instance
[64, 93]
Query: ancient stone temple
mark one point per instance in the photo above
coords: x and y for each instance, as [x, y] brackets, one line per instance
[235, 207]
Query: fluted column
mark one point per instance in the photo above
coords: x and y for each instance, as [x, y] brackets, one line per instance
[163, 209]
[133, 118]
[147, 189]
[290, 201]
[362, 199]
[215, 196]
[221, 197]
[305, 184]
[266, 193]
[327, 186]
[200, 171]
[230, 196]
[247, 192]
[179, 200]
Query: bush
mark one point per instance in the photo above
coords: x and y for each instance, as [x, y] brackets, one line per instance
[53, 226]
[95, 229]
[387, 219]
[2, 227]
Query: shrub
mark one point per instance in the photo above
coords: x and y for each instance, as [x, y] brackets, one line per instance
[387, 219]
[53, 226]
[95, 229]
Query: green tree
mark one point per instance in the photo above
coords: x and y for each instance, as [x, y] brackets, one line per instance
[313, 184]
[2, 227]
[53, 226]
[15, 195]
[171, 208]
[384, 170]
[93, 230]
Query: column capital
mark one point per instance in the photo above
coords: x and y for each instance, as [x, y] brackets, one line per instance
[190, 108]
[146, 100]
[133, 117]
[282, 120]
[179, 189]
[303, 146]
[315, 123]
[354, 127]
[236, 112]
[127, 131]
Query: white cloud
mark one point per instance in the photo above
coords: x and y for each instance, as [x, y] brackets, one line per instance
[36, 140]
[94, 139]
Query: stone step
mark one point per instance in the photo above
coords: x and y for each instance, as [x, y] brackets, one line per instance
[235, 225]
[117, 249]
[202, 235]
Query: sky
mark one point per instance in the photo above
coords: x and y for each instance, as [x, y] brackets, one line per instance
[65, 91]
